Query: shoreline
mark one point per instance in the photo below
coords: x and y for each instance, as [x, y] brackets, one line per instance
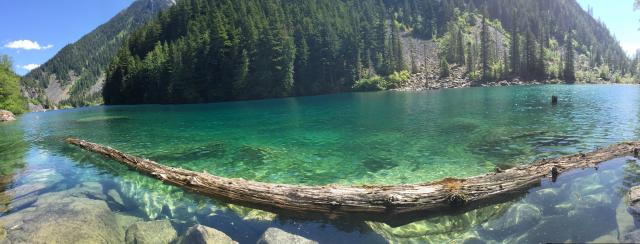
[453, 83]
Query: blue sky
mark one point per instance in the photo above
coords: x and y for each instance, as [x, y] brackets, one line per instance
[622, 21]
[51, 24]
[32, 31]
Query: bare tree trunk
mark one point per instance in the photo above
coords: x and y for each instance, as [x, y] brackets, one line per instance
[372, 202]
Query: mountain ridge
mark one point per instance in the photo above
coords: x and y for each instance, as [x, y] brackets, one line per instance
[75, 75]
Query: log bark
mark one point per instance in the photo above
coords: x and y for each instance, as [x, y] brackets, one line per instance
[380, 203]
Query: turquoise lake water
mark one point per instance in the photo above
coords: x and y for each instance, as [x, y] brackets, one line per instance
[349, 139]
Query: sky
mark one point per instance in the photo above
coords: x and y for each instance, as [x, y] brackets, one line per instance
[620, 18]
[33, 31]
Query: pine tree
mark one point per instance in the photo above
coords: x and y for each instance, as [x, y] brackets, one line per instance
[515, 45]
[569, 65]
[484, 49]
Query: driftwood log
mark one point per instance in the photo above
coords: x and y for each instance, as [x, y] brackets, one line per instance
[370, 202]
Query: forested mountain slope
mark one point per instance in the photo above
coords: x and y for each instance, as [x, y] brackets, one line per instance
[75, 75]
[10, 98]
[206, 50]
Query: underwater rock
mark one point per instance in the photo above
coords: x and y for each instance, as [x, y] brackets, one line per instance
[624, 219]
[519, 217]
[631, 237]
[22, 202]
[275, 236]
[375, 164]
[440, 229]
[634, 194]
[473, 240]
[60, 218]
[6, 116]
[611, 237]
[247, 213]
[25, 190]
[124, 221]
[158, 231]
[250, 156]
[44, 176]
[545, 196]
[92, 190]
[200, 234]
[115, 197]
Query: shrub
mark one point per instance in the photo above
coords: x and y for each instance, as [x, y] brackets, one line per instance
[373, 83]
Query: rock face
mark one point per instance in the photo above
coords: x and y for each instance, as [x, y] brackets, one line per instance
[59, 218]
[276, 236]
[6, 116]
[200, 234]
[159, 231]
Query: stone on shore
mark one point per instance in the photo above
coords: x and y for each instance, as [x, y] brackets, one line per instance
[6, 116]
[200, 234]
[275, 236]
[159, 231]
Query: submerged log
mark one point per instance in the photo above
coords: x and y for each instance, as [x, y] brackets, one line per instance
[372, 202]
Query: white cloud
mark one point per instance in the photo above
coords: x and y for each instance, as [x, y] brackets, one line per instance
[630, 48]
[26, 45]
[29, 67]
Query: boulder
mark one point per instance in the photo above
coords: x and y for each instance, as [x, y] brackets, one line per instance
[6, 116]
[60, 218]
[276, 236]
[200, 234]
[634, 194]
[158, 231]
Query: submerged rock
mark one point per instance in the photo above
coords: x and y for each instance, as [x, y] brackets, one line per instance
[6, 116]
[624, 220]
[115, 197]
[159, 231]
[631, 237]
[634, 194]
[200, 234]
[125, 221]
[276, 236]
[60, 218]
[518, 218]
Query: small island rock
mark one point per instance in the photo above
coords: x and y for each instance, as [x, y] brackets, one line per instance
[275, 235]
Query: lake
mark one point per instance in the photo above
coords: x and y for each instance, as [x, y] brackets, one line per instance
[349, 139]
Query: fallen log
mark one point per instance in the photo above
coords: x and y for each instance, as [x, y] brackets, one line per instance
[369, 202]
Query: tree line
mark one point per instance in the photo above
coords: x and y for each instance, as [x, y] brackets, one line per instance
[204, 50]
[10, 97]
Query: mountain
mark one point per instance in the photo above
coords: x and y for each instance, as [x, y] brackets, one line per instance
[206, 51]
[75, 75]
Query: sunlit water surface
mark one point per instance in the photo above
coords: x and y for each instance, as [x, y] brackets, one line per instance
[353, 138]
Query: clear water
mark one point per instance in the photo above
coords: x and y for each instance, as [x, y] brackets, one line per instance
[352, 138]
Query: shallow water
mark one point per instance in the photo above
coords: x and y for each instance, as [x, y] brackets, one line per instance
[353, 138]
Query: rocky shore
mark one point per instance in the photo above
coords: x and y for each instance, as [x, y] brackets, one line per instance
[457, 79]
[90, 213]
